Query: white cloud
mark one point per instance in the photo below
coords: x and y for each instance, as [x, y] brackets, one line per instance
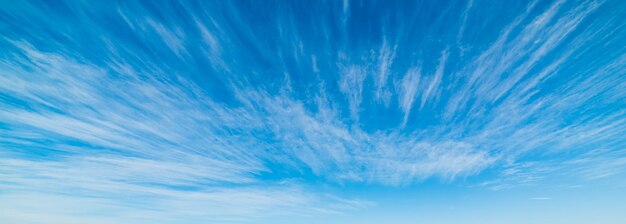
[351, 84]
[408, 90]
[115, 132]
[140, 137]
[435, 81]
[386, 55]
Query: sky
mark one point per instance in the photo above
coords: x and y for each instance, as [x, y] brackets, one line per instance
[286, 112]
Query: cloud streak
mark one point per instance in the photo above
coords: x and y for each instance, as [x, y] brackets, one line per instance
[156, 116]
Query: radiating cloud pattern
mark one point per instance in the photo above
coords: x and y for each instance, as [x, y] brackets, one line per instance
[241, 111]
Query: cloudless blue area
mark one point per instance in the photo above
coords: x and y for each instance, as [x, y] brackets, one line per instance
[347, 111]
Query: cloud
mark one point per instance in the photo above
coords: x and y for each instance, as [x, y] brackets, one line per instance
[433, 87]
[408, 90]
[241, 128]
[386, 56]
[351, 84]
[160, 143]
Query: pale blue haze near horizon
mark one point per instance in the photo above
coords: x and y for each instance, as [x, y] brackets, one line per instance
[433, 112]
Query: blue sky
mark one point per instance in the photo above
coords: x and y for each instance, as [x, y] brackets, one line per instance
[313, 111]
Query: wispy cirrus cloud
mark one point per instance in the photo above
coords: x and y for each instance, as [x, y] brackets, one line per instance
[202, 115]
[155, 141]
